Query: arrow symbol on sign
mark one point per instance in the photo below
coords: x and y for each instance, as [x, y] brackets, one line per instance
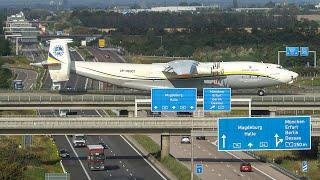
[250, 145]
[212, 107]
[223, 141]
[155, 107]
[278, 141]
[173, 107]
[191, 107]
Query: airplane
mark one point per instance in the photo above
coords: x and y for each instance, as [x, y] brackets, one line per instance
[173, 74]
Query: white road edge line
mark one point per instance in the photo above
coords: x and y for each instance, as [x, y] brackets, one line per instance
[63, 169]
[151, 165]
[252, 166]
[74, 151]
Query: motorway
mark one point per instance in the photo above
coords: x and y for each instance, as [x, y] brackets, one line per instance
[123, 162]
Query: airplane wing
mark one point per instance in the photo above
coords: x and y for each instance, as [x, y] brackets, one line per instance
[180, 68]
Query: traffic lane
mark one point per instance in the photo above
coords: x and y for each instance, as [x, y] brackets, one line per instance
[82, 154]
[217, 164]
[114, 169]
[262, 167]
[114, 55]
[71, 164]
[28, 77]
[99, 55]
[129, 160]
[132, 165]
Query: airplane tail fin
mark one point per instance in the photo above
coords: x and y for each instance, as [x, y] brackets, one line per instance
[59, 61]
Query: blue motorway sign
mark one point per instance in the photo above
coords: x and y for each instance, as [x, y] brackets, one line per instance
[304, 166]
[216, 99]
[304, 51]
[266, 133]
[199, 169]
[173, 99]
[292, 51]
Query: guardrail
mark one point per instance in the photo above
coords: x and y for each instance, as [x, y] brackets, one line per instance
[95, 125]
[104, 98]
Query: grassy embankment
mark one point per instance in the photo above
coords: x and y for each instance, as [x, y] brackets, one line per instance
[21, 62]
[290, 161]
[177, 168]
[46, 158]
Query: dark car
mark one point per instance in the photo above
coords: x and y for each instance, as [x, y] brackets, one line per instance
[64, 153]
[245, 167]
[103, 145]
[201, 138]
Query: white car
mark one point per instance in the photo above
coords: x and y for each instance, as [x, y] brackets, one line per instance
[185, 140]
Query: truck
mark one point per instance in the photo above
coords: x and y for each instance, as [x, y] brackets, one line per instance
[96, 157]
[79, 140]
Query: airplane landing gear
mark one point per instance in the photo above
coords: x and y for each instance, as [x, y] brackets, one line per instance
[261, 92]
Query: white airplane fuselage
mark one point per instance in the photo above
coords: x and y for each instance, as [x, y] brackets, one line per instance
[174, 74]
[146, 76]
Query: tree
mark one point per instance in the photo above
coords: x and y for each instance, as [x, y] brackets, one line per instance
[183, 4]
[194, 4]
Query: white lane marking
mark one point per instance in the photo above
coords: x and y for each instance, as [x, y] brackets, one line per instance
[98, 113]
[74, 151]
[86, 85]
[151, 165]
[63, 169]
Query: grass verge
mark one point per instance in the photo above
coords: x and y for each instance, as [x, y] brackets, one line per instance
[177, 168]
[292, 162]
[48, 155]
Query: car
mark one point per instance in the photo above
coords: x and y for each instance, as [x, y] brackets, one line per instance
[185, 140]
[64, 153]
[245, 167]
[68, 88]
[103, 145]
[201, 138]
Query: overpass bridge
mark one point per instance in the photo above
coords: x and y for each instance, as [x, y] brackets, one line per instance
[41, 101]
[115, 125]
[166, 126]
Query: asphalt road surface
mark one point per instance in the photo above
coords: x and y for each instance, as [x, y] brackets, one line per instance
[219, 165]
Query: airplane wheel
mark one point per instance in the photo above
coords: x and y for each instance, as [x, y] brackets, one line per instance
[261, 92]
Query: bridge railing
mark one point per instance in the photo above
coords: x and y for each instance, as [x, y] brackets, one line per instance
[128, 98]
[72, 123]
